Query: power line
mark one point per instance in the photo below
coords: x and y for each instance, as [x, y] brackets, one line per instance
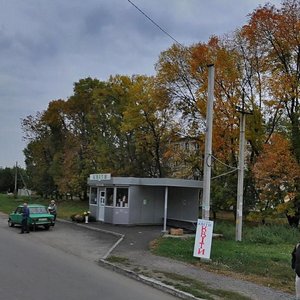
[152, 21]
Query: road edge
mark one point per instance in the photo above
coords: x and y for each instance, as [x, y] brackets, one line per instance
[147, 280]
[131, 274]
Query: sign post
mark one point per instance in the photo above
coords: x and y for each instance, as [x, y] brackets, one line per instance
[203, 238]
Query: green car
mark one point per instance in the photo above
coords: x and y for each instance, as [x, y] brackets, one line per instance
[39, 216]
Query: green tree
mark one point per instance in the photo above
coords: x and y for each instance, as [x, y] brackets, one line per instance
[7, 180]
[38, 156]
[114, 153]
[78, 158]
[148, 119]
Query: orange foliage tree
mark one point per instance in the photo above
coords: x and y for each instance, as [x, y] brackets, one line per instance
[276, 174]
[272, 40]
[184, 74]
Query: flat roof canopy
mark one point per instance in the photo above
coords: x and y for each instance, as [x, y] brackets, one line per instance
[148, 182]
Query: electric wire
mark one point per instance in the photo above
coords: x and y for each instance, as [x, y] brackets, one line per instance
[153, 22]
[215, 158]
[233, 169]
[165, 32]
[223, 174]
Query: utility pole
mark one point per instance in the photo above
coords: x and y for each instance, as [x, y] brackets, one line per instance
[240, 187]
[208, 144]
[16, 180]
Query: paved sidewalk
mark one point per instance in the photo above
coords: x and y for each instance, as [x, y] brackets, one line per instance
[134, 246]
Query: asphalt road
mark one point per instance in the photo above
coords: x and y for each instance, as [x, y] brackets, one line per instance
[60, 264]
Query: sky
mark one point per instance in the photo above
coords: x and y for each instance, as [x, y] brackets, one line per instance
[46, 46]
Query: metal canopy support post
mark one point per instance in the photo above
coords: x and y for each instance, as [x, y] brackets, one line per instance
[239, 207]
[166, 209]
[208, 145]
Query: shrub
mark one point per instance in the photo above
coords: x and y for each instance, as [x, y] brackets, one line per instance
[77, 218]
[80, 218]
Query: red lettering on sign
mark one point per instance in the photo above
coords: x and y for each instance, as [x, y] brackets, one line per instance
[201, 251]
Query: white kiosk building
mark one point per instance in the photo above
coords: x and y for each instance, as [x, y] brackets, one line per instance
[133, 201]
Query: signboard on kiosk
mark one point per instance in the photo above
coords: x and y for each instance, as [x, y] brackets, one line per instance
[101, 176]
[203, 238]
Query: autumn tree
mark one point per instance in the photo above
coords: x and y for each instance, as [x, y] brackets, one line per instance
[78, 160]
[131, 121]
[148, 119]
[55, 120]
[276, 174]
[113, 148]
[184, 74]
[272, 37]
[58, 154]
[130, 125]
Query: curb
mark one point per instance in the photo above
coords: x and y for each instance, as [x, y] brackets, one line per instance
[149, 281]
[141, 278]
[90, 227]
[121, 236]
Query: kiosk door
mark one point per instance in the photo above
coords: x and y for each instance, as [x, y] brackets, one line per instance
[101, 205]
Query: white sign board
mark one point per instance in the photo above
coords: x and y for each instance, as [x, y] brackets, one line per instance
[100, 176]
[203, 238]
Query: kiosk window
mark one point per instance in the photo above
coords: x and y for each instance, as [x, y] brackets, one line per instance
[122, 197]
[109, 196]
[93, 196]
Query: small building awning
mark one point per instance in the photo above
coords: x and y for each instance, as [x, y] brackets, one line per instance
[170, 182]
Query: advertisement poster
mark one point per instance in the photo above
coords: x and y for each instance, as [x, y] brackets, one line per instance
[203, 238]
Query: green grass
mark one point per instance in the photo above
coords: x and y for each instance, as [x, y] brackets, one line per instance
[264, 255]
[66, 208]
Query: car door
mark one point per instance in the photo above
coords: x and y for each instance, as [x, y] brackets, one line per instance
[16, 217]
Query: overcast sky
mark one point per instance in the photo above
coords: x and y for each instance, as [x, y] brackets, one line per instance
[47, 45]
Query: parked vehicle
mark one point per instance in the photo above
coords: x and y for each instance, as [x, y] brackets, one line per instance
[39, 216]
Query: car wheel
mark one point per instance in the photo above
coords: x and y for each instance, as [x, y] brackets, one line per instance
[10, 223]
[47, 227]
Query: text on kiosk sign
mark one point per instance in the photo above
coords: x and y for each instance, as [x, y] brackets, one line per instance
[102, 176]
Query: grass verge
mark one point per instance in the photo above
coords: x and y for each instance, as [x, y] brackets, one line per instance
[64, 211]
[264, 255]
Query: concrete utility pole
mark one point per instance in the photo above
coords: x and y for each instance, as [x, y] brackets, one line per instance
[208, 144]
[240, 188]
[239, 206]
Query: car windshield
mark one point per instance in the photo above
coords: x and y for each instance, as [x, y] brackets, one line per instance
[38, 210]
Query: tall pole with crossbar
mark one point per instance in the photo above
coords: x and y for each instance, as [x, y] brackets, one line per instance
[208, 144]
[240, 188]
[241, 167]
